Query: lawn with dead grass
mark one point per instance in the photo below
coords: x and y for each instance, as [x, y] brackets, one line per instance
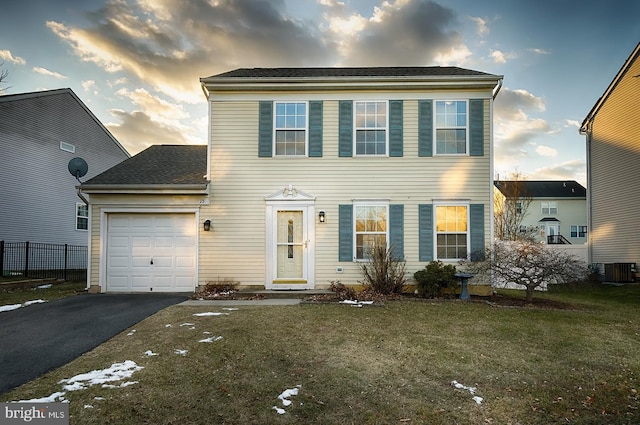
[407, 362]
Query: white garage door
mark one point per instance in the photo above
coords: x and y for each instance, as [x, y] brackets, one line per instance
[151, 252]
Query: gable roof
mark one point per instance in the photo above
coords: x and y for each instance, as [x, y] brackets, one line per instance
[45, 94]
[158, 166]
[545, 188]
[614, 83]
[352, 78]
[355, 72]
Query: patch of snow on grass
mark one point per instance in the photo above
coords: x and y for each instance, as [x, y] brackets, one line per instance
[211, 339]
[11, 307]
[356, 303]
[209, 313]
[472, 391]
[50, 399]
[132, 332]
[116, 372]
[180, 352]
[285, 396]
[47, 286]
[150, 353]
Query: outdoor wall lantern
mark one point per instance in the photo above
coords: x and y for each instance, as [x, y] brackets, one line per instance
[321, 216]
[207, 225]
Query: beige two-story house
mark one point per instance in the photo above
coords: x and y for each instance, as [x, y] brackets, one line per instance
[307, 170]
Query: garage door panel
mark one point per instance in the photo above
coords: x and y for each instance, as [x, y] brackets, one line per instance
[135, 240]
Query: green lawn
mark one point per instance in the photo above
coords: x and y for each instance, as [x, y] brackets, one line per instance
[17, 295]
[373, 365]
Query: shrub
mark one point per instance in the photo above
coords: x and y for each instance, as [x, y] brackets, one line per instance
[385, 273]
[434, 277]
[342, 292]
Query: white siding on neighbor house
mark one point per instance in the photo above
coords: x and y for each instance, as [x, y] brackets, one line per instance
[615, 174]
[38, 193]
[571, 212]
[240, 181]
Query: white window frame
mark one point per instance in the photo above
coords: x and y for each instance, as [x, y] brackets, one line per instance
[78, 216]
[368, 203]
[549, 206]
[436, 128]
[356, 128]
[276, 128]
[436, 232]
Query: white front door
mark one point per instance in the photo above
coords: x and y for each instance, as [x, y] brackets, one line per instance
[291, 246]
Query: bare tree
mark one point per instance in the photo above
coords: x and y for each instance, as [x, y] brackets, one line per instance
[3, 76]
[510, 204]
[529, 264]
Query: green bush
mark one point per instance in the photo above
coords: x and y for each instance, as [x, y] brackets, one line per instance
[434, 277]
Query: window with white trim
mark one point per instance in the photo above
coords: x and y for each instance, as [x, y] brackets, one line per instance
[290, 128]
[371, 124]
[452, 232]
[549, 207]
[451, 127]
[578, 231]
[370, 228]
[82, 216]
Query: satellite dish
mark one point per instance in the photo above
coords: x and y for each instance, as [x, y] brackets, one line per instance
[78, 168]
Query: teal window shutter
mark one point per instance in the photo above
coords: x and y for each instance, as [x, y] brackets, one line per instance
[425, 232]
[395, 128]
[396, 230]
[345, 233]
[476, 231]
[345, 128]
[315, 129]
[265, 130]
[425, 128]
[476, 127]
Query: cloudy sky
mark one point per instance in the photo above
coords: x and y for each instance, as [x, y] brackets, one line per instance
[136, 63]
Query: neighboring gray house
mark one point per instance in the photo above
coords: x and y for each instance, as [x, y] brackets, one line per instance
[557, 209]
[39, 133]
[612, 130]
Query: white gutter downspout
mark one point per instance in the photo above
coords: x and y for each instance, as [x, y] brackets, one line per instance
[81, 196]
[587, 131]
[496, 90]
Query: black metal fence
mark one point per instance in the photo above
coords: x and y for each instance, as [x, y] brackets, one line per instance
[43, 261]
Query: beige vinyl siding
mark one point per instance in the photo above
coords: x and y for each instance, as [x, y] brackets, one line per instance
[240, 181]
[615, 173]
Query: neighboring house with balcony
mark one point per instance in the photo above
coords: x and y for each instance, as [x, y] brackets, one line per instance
[554, 211]
[612, 130]
[307, 169]
[40, 133]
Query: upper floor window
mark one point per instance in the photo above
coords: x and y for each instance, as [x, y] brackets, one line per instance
[371, 128]
[452, 235]
[370, 229]
[518, 207]
[451, 127]
[82, 216]
[549, 207]
[291, 128]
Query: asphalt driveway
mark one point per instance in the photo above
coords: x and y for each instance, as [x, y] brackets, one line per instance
[42, 337]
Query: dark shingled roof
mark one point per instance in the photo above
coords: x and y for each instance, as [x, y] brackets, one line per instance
[547, 188]
[396, 71]
[158, 165]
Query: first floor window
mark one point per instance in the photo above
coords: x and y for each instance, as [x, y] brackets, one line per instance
[370, 229]
[82, 216]
[452, 232]
[578, 231]
[291, 128]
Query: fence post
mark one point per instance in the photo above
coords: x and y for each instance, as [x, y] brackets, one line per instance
[64, 273]
[1, 258]
[26, 258]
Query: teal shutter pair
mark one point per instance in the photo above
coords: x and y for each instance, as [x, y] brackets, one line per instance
[265, 129]
[345, 128]
[426, 231]
[476, 127]
[345, 237]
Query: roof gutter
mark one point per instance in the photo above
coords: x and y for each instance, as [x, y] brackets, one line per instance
[496, 90]
[81, 196]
